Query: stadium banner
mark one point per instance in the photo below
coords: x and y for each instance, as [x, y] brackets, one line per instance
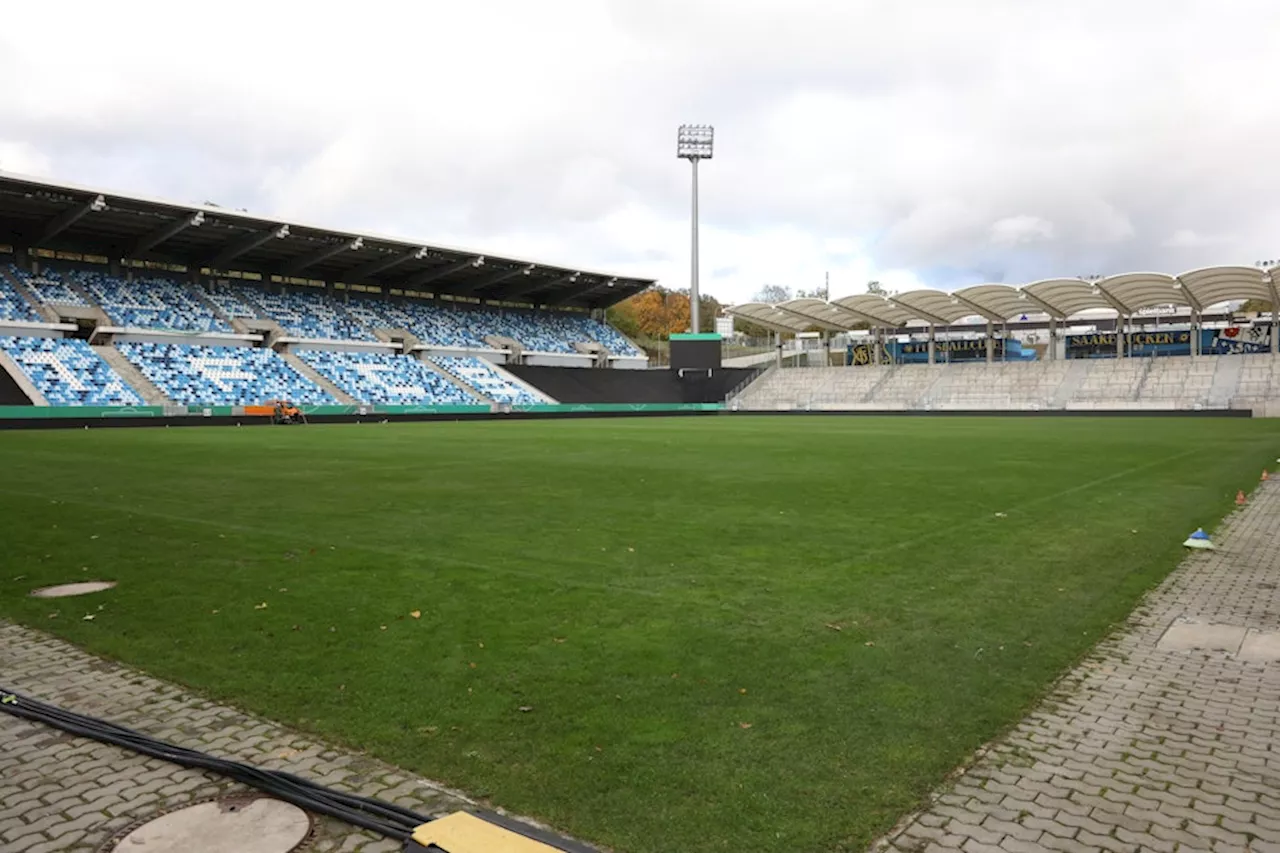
[1236, 340]
[859, 355]
[1233, 340]
[917, 352]
[30, 412]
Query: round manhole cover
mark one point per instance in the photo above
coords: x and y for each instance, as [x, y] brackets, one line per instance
[229, 825]
[68, 589]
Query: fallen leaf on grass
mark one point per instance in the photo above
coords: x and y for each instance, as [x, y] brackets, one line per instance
[382, 627]
[526, 708]
[834, 627]
[742, 690]
[472, 664]
[88, 617]
[744, 725]
[869, 643]
[53, 615]
[214, 612]
[558, 639]
[416, 614]
[262, 606]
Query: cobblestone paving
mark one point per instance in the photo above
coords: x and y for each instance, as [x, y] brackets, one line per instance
[62, 793]
[1142, 748]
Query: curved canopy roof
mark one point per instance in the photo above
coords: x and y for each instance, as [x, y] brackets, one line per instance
[772, 317]
[1061, 298]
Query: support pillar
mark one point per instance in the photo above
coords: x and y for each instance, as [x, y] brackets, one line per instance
[931, 342]
[1053, 342]
[991, 344]
[1119, 335]
[1275, 328]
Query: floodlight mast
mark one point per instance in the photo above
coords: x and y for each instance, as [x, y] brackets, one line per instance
[694, 142]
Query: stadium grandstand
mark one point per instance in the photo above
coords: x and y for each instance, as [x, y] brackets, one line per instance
[109, 299]
[1201, 340]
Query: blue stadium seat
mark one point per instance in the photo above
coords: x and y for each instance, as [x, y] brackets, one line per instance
[150, 302]
[386, 379]
[541, 331]
[48, 286]
[222, 376]
[68, 372]
[480, 375]
[13, 306]
[230, 302]
[308, 315]
[431, 323]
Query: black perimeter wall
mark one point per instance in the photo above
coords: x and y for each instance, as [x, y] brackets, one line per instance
[10, 393]
[596, 385]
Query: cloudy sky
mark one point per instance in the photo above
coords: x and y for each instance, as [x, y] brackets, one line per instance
[934, 142]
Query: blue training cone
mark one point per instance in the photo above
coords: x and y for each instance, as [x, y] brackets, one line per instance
[1199, 540]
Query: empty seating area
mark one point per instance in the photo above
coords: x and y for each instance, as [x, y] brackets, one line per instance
[479, 374]
[386, 379]
[13, 306]
[227, 298]
[1011, 385]
[431, 323]
[222, 376]
[547, 332]
[817, 388]
[1259, 379]
[48, 286]
[162, 302]
[1112, 380]
[68, 372]
[1178, 380]
[440, 325]
[151, 302]
[613, 340]
[304, 314]
[905, 389]
[1166, 382]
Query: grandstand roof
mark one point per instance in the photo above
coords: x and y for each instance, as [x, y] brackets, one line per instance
[1061, 298]
[35, 213]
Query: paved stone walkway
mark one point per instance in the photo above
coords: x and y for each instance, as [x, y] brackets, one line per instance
[63, 793]
[1144, 747]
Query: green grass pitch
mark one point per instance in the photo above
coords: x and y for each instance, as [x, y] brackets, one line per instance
[661, 594]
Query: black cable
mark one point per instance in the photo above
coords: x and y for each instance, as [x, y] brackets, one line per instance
[366, 812]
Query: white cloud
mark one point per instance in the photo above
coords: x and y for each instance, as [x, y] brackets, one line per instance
[23, 158]
[1185, 238]
[1021, 229]
[930, 143]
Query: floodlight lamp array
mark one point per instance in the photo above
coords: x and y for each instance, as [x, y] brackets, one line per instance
[695, 141]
